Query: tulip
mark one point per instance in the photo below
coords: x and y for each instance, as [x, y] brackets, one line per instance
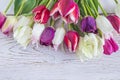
[68, 10]
[117, 10]
[47, 36]
[104, 25]
[36, 32]
[88, 24]
[23, 35]
[115, 21]
[23, 21]
[8, 25]
[2, 20]
[90, 46]
[71, 40]
[110, 46]
[59, 36]
[42, 14]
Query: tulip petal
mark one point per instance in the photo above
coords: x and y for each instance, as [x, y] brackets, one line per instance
[88, 24]
[41, 14]
[9, 24]
[47, 36]
[115, 21]
[36, 32]
[110, 46]
[59, 36]
[2, 20]
[71, 40]
[45, 16]
[104, 25]
[23, 35]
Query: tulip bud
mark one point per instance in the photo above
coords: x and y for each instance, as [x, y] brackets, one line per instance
[23, 35]
[117, 10]
[2, 20]
[47, 36]
[23, 21]
[110, 46]
[36, 32]
[88, 24]
[42, 14]
[90, 46]
[71, 40]
[115, 21]
[68, 10]
[8, 25]
[59, 36]
[104, 25]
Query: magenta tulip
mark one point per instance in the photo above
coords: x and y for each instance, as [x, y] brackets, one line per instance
[42, 14]
[110, 46]
[115, 21]
[68, 10]
[47, 36]
[71, 40]
[2, 19]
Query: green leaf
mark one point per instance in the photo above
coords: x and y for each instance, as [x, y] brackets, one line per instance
[28, 6]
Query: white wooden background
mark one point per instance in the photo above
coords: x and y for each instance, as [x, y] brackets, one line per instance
[43, 63]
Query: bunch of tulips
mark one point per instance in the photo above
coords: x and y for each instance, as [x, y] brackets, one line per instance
[75, 25]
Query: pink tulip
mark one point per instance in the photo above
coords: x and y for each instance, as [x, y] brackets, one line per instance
[2, 19]
[110, 46]
[7, 28]
[115, 21]
[42, 14]
[68, 10]
[71, 40]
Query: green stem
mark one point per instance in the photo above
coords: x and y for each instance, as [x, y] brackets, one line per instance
[89, 10]
[52, 22]
[21, 8]
[10, 3]
[104, 12]
[94, 7]
[48, 3]
[116, 1]
[63, 24]
[84, 9]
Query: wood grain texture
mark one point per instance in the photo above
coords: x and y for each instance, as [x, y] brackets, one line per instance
[43, 63]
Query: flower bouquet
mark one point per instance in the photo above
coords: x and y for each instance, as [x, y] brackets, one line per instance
[81, 30]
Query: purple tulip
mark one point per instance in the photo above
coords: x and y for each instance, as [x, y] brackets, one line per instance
[115, 21]
[47, 36]
[110, 46]
[2, 19]
[88, 24]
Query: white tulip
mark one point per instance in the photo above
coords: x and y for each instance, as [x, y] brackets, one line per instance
[89, 47]
[36, 32]
[104, 25]
[23, 35]
[23, 21]
[59, 36]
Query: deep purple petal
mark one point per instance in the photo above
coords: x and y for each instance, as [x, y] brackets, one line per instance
[47, 36]
[88, 24]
